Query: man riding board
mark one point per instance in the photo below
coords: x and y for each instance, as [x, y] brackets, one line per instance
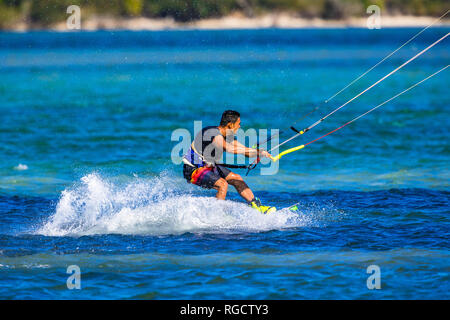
[202, 163]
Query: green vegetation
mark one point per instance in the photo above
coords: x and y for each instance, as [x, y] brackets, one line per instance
[41, 13]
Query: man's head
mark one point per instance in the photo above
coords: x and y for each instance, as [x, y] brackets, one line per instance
[231, 120]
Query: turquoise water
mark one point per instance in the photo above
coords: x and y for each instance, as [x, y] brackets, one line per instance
[86, 176]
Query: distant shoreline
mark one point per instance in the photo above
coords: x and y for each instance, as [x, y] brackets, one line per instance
[236, 21]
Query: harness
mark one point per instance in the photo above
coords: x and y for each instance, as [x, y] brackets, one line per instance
[194, 159]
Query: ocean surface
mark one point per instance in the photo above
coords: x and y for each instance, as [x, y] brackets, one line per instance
[87, 176]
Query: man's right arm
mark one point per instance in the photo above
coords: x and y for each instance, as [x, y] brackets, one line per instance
[238, 148]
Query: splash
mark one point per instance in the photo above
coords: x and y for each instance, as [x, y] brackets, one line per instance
[156, 206]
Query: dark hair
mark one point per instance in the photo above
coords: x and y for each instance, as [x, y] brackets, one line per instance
[229, 116]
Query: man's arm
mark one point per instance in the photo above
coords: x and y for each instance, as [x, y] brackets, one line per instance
[238, 148]
[248, 152]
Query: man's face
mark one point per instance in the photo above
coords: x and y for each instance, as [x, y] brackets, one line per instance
[235, 126]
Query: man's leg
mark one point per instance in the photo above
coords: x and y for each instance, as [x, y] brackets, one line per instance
[207, 178]
[241, 187]
[221, 186]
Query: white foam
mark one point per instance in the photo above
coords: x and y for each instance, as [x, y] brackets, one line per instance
[21, 167]
[157, 206]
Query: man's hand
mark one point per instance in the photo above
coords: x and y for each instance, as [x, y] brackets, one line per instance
[264, 153]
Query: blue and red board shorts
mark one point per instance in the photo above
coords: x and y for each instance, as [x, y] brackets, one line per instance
[204, 177]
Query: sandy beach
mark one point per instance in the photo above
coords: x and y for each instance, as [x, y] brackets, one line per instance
[238, 21]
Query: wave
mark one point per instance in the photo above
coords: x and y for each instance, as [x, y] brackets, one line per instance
[154, 206]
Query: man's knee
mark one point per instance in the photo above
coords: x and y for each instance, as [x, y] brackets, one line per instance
[221, 184]
[234, 177]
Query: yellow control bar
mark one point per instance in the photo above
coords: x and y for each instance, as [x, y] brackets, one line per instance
[276, 158]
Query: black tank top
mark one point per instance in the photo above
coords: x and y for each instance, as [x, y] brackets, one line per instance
[203, 144]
